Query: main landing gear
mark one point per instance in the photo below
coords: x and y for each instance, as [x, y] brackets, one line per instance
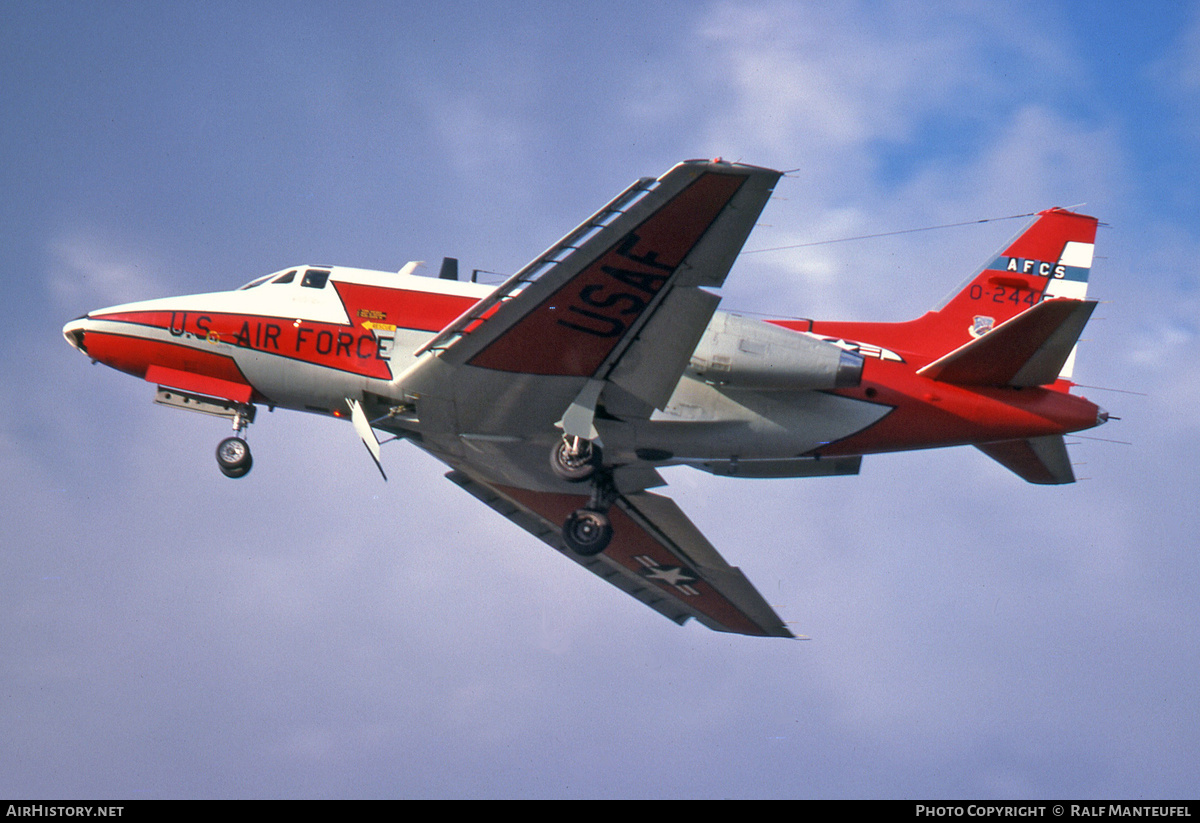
[588, 531]
[233, 453]
[575, 459]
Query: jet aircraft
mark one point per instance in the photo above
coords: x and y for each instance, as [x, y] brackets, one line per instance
[557, 396]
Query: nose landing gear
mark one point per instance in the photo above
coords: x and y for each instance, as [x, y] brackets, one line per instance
[233, 457]
[233, 453]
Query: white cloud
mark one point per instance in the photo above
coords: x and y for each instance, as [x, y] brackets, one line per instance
[1179, 67]
[475, 132]
[822, 76]
[87, 273]
[819, 82]
[893, 118]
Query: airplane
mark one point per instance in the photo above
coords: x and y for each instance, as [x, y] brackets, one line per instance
[556, 397]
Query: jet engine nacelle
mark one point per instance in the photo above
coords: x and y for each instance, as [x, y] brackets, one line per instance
[743, 353]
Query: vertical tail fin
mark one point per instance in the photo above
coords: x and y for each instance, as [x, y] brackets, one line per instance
[1050, 259]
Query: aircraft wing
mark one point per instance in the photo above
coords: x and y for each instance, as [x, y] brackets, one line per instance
[657, 555]
[620, 299]
[594, 332]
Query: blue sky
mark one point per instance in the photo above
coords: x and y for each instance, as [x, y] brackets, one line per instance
[311, 631]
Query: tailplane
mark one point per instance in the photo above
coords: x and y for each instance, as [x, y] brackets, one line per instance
[1032, 349]
[1040, 460]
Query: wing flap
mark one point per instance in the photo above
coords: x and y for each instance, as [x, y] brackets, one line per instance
[650, 370]
[657, 555]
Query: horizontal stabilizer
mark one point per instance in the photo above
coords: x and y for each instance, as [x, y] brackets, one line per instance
[1041, 460]
[1028, 350]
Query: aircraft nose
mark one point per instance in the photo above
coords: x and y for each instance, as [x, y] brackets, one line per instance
[75, 331]
[1101, 416]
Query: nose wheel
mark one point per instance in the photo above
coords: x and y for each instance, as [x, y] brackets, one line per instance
[233, 457]
[233, 453]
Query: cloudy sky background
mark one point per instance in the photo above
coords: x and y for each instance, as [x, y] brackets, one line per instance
[312, 631]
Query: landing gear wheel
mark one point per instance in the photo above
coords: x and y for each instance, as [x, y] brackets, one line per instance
[233, 457]
[587, 532]
[574, 459]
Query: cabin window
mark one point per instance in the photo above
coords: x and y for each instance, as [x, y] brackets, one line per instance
[315, 279]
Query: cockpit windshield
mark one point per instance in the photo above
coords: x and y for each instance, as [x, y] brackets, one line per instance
[276, 277]
[257, 282]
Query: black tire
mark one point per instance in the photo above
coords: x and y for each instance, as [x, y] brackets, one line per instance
[233, 457]
[587, 532]
[574, 469]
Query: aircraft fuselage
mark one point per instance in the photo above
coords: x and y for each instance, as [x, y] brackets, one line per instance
[311, 340]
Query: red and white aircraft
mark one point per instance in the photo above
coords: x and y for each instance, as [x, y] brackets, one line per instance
[556, 396]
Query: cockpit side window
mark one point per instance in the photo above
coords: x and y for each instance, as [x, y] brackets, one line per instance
[285, 278]
[315, 278]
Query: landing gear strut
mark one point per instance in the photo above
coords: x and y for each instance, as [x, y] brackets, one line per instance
[233, 453]
[588, 531]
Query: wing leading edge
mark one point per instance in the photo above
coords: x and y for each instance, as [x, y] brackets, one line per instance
[657, 555]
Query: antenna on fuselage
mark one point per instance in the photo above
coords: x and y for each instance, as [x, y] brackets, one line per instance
[449, 269]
